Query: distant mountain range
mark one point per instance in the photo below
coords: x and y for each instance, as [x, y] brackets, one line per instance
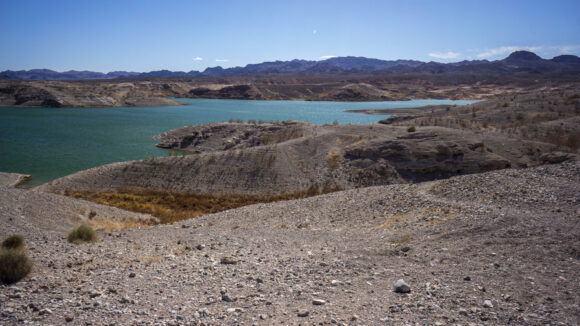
[519, 61]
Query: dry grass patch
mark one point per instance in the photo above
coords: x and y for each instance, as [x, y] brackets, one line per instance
[171, 206]
[433, 215]
[402, 238]
[113, 225]
[332, 159]
[391, 221]
[82, 234]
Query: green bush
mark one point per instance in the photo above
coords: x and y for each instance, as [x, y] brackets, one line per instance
[14, 265]
[411, 129]
[15, 241]
[83, 233]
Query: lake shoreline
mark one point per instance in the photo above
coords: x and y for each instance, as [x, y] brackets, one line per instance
[62, 140]
[135, 92]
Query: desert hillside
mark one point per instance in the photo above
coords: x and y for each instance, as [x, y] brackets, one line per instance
[490, 248]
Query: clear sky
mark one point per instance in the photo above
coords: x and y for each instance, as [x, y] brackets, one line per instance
[145, 35]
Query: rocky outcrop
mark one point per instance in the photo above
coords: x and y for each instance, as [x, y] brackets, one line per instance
[432, 154]
[22, 95]
[225, 136]
[55, 94]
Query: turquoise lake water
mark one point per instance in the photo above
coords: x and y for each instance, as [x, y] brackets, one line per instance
[51, 143]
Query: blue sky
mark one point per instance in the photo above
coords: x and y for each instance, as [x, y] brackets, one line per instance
[147, 35]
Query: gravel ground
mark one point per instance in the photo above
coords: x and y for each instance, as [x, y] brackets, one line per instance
[493, 248]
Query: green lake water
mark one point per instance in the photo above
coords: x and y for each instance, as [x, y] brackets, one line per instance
[49, 143]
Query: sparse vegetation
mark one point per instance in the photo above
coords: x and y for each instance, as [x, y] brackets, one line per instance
[402, 238]
[14, 263]
[82, 234]
[265, 139]
[172, 206]
[411, 129]
[332, 160]
[15, 241]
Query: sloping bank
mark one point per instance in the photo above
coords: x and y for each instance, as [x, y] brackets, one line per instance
[295, 159]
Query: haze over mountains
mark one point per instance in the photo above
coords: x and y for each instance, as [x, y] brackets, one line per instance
[519, 61]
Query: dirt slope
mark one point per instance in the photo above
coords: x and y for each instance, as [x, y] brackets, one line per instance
[507, 236]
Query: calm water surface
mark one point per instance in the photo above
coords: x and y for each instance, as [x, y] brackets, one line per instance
[51, 143]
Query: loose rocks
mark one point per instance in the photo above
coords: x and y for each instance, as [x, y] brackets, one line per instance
[303, 313]
[401, 286]
[318, 302]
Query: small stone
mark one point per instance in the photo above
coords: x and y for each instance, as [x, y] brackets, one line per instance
[94, 294]
[318, 302]
[303, 313]
[200, 247]
[229, 260]
[203, 312]
[131, 275]
[45, 311]
[354, 317]
[33, 307]
[401, 286]
[68, 318]
[125, 299]
[487, 304]
[467, 278]
[227, 298]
